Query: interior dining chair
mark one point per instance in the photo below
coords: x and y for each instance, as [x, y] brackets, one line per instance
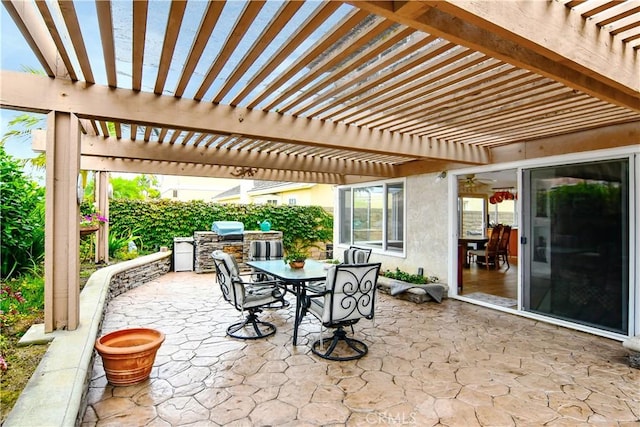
[489, 253]
[348, 296]
[503, 246]
[356, 255]
[247, 296]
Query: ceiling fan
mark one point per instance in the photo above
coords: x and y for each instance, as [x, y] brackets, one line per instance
[471, 182]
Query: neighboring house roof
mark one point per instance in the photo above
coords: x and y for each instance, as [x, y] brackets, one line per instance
[274, 187]
[232, 192]
[261, 185]
[264, 187]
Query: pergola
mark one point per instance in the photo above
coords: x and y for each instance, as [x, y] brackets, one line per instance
[327, 92]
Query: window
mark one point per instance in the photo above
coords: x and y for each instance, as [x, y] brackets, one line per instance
[273, 202]
[293, 201]
[504, 213]
[471, 216]
[372, 216]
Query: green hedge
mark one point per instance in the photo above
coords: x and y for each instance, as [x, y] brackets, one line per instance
[157, 222]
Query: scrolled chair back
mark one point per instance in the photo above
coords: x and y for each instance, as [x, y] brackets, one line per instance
[227, 274]
[351, 293]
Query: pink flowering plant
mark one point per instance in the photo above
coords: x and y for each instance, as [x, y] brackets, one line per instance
[92, 219]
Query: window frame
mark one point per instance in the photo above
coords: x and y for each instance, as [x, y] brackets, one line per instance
[340, 216]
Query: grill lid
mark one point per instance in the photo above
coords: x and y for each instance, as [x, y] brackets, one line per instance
[225, 228]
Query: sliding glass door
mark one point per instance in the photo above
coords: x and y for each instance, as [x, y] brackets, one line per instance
[577, 249]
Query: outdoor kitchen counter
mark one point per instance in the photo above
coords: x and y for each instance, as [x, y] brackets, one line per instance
[206, 242]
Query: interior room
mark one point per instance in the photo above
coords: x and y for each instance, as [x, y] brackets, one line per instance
[486, 200]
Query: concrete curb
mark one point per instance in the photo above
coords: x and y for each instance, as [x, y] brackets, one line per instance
[54, 395]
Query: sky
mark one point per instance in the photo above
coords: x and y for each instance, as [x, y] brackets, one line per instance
[15, 54]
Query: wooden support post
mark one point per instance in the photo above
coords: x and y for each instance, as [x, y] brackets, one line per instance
[62, 228]
[102, 196]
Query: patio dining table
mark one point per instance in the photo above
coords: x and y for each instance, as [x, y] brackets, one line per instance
[296, 279]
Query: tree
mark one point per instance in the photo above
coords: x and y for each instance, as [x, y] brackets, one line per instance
[140, 187]
[149, 184]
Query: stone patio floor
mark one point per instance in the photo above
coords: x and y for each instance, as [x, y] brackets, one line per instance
[449, 364]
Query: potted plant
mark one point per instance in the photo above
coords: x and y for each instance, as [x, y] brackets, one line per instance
[91, 222]
[296, 253]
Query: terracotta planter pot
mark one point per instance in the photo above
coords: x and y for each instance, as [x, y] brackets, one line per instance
[296, 264]
[128, 354]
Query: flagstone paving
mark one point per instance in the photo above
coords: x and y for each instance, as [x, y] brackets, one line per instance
[449, 364]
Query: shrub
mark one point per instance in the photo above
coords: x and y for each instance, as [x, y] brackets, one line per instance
[21, 216]
[21, 297]
[409, 278]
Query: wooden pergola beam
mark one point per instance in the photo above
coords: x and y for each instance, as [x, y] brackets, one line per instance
[580, 60]
[22, 91]
[212, 171]
[577, 142]
[112, 148]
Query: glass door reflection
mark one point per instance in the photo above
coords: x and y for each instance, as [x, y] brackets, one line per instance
[578, 250]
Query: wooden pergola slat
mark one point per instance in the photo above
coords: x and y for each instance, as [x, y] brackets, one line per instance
[73, 26]
[494, 121]
[315, 20]
[415, 84]
[516, 100]
[140, 9]
[618, 11]
[174, 22]
[343, 52]
[589, 8]
[438, 112]
[553, 120]
[57, 40]
[556, 127]
[246, 18]
[209, 20]
[275, 26]
[105, 23]
[24, 17]
[341, 103]
[414, 42]
[629, 24]
[469, 79]
[339, 31]
[187, 138]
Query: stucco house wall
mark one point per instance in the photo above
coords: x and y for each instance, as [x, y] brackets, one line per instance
[319, 194]
[426, 229]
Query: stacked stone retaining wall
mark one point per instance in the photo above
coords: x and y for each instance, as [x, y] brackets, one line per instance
[129, 279]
